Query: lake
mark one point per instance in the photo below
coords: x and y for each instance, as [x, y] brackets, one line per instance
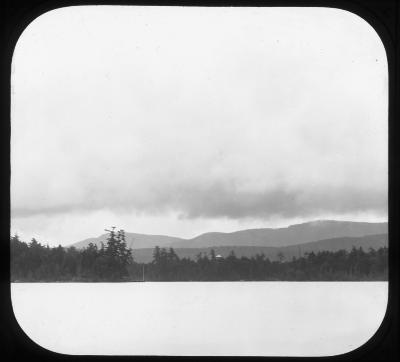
[201, 318]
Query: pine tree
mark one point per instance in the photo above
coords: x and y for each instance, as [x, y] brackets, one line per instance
[117, 256]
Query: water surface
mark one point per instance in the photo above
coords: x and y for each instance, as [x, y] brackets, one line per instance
[201, 318]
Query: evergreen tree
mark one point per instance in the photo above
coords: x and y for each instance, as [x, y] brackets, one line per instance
[117, 256]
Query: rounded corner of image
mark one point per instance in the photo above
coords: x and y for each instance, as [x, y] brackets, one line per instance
[29, 23]
[24, 336]
[373, 339]
[372, 23]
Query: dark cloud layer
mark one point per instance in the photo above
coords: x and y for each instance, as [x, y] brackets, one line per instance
[220, 200]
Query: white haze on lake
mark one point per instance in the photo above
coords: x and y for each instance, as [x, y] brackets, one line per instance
[197, 319]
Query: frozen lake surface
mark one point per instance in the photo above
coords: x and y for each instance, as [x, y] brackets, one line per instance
[202, 318]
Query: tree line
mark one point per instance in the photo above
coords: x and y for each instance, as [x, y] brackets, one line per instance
[114, 261]
[36, 262]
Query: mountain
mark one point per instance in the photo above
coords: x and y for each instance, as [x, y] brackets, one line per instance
[271, 252]
[267, 237]
[294, 234]
[134, 241]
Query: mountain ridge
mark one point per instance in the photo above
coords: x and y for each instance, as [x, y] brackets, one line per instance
[272, 237]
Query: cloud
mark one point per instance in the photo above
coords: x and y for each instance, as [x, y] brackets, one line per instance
[219, 202]
[223, 200]
[253, 119]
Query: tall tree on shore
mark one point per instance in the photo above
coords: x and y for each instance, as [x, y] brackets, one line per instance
[156, 255]
[117, 256]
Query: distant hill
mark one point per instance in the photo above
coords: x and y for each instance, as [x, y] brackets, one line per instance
[292, 235]
[271, 252]
[133, 240]
[267, 237]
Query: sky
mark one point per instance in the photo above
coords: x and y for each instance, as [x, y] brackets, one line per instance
[180, 121]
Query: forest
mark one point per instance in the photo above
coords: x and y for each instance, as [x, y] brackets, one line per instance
[113, 261]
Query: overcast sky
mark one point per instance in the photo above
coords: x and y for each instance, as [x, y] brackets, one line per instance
[181, 121]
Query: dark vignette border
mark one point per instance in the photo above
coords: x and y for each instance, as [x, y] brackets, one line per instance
[382, 15]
